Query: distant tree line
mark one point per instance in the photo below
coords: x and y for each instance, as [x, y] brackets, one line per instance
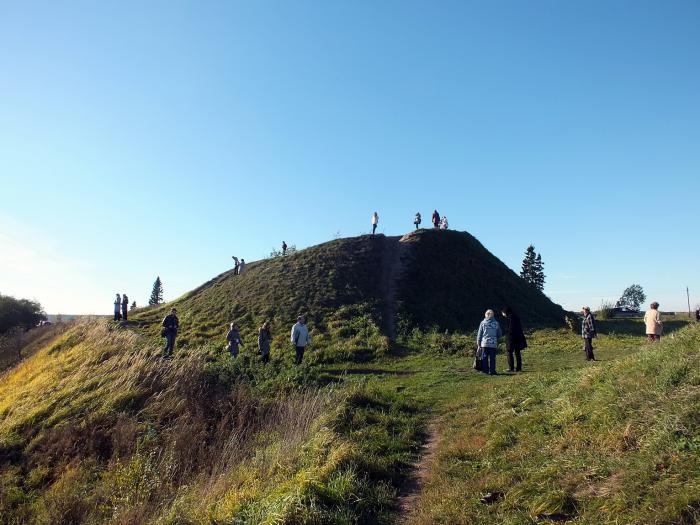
[19, 313]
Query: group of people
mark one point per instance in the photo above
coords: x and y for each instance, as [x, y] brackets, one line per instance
[439, 223]
[121, 307]
[487, 337]
[238, 266]
[300, 338]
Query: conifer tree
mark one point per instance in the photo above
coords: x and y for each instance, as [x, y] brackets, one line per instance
[528, 264]
[156, 293]
[538, 273]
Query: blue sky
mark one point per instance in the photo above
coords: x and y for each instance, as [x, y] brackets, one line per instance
[160, 138]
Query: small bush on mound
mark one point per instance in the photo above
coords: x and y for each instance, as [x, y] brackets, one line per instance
[606, 311]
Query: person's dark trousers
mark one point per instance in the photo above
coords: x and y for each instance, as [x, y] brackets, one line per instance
[588, 348]
[169, 344]
[266, 358]
[234, 351]
[300, 354]
[116, 316]
[490, 360]
[517, 364]
[125, 309]
[374, 228]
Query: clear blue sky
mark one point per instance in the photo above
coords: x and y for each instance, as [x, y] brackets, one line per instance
[160, 138]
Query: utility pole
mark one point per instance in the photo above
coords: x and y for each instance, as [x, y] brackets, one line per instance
[687, 293]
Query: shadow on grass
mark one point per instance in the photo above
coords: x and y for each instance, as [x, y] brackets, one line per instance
[632, 327]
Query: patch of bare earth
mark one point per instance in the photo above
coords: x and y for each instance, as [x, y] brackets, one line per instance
[410, 492]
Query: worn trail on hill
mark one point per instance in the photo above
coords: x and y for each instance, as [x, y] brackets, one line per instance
[394, 258]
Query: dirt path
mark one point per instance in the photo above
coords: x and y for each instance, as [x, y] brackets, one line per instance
[409, 494]
[394, 259]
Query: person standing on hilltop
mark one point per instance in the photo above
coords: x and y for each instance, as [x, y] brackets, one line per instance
[170, 324]
[235, 264]
[588, 332]
[284, 248]
[264, 340]
[652, 320]
[241, 267]
[443, 223]
[487, 339]
[515, 340]
[117, 308]
[234, 340]
[436, 219]
[125, 307]
[417, 220]
[300, 338]
[375, 221]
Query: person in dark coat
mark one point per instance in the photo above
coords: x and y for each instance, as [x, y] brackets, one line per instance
[264, 339]
[125, 306]
[515, 340]
[234, 340]
[171, 324]
[436, 220]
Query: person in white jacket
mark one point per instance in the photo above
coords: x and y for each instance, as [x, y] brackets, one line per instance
[652, 320]
[300, 338]
[375, 221]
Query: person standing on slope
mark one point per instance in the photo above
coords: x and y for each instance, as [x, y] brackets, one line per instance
[241, 267]
[171, 324]
[264, 340]
[235, 264]
[117, 308]
[487, 339]
[652, 320]
[300, 338]
[515, 340]
[443, 223]
[375, 221]
[588, 332]
[284, 248]
[234, 340]
[125, 307]
[417, 220]
[436, 220]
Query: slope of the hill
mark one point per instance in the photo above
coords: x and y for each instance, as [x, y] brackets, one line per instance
[367, 285]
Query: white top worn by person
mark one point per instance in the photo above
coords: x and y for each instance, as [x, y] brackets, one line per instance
[300, 334]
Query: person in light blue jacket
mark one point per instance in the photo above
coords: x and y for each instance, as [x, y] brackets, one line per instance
[487, 339]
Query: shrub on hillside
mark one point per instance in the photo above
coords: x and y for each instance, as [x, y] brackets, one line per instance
[19, 313]
[606, 310]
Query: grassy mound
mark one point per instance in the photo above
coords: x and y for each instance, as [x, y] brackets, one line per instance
[94, 428]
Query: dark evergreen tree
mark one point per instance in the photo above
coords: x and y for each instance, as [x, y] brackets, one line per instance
[133, 306]
[538, 273]
[156, 293]
[528, 264]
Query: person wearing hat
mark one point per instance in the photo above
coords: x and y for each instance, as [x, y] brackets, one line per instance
[487, 339]
[652, 320]
[170, 324]
[588, 332]
[300, 338]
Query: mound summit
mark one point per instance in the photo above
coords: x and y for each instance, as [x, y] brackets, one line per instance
[425, 279]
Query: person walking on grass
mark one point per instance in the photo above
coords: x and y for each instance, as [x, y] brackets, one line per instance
[117, 308]
[125, 307]
[264, 340]
[234, 340]
[487, 339]
[588, 332]
[170, 324]
[300, 338]
[652, 320]
[515, 340]
[417, 220]
[375, 221]
[436, 219]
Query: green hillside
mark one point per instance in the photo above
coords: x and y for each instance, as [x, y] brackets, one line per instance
[441, 279]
